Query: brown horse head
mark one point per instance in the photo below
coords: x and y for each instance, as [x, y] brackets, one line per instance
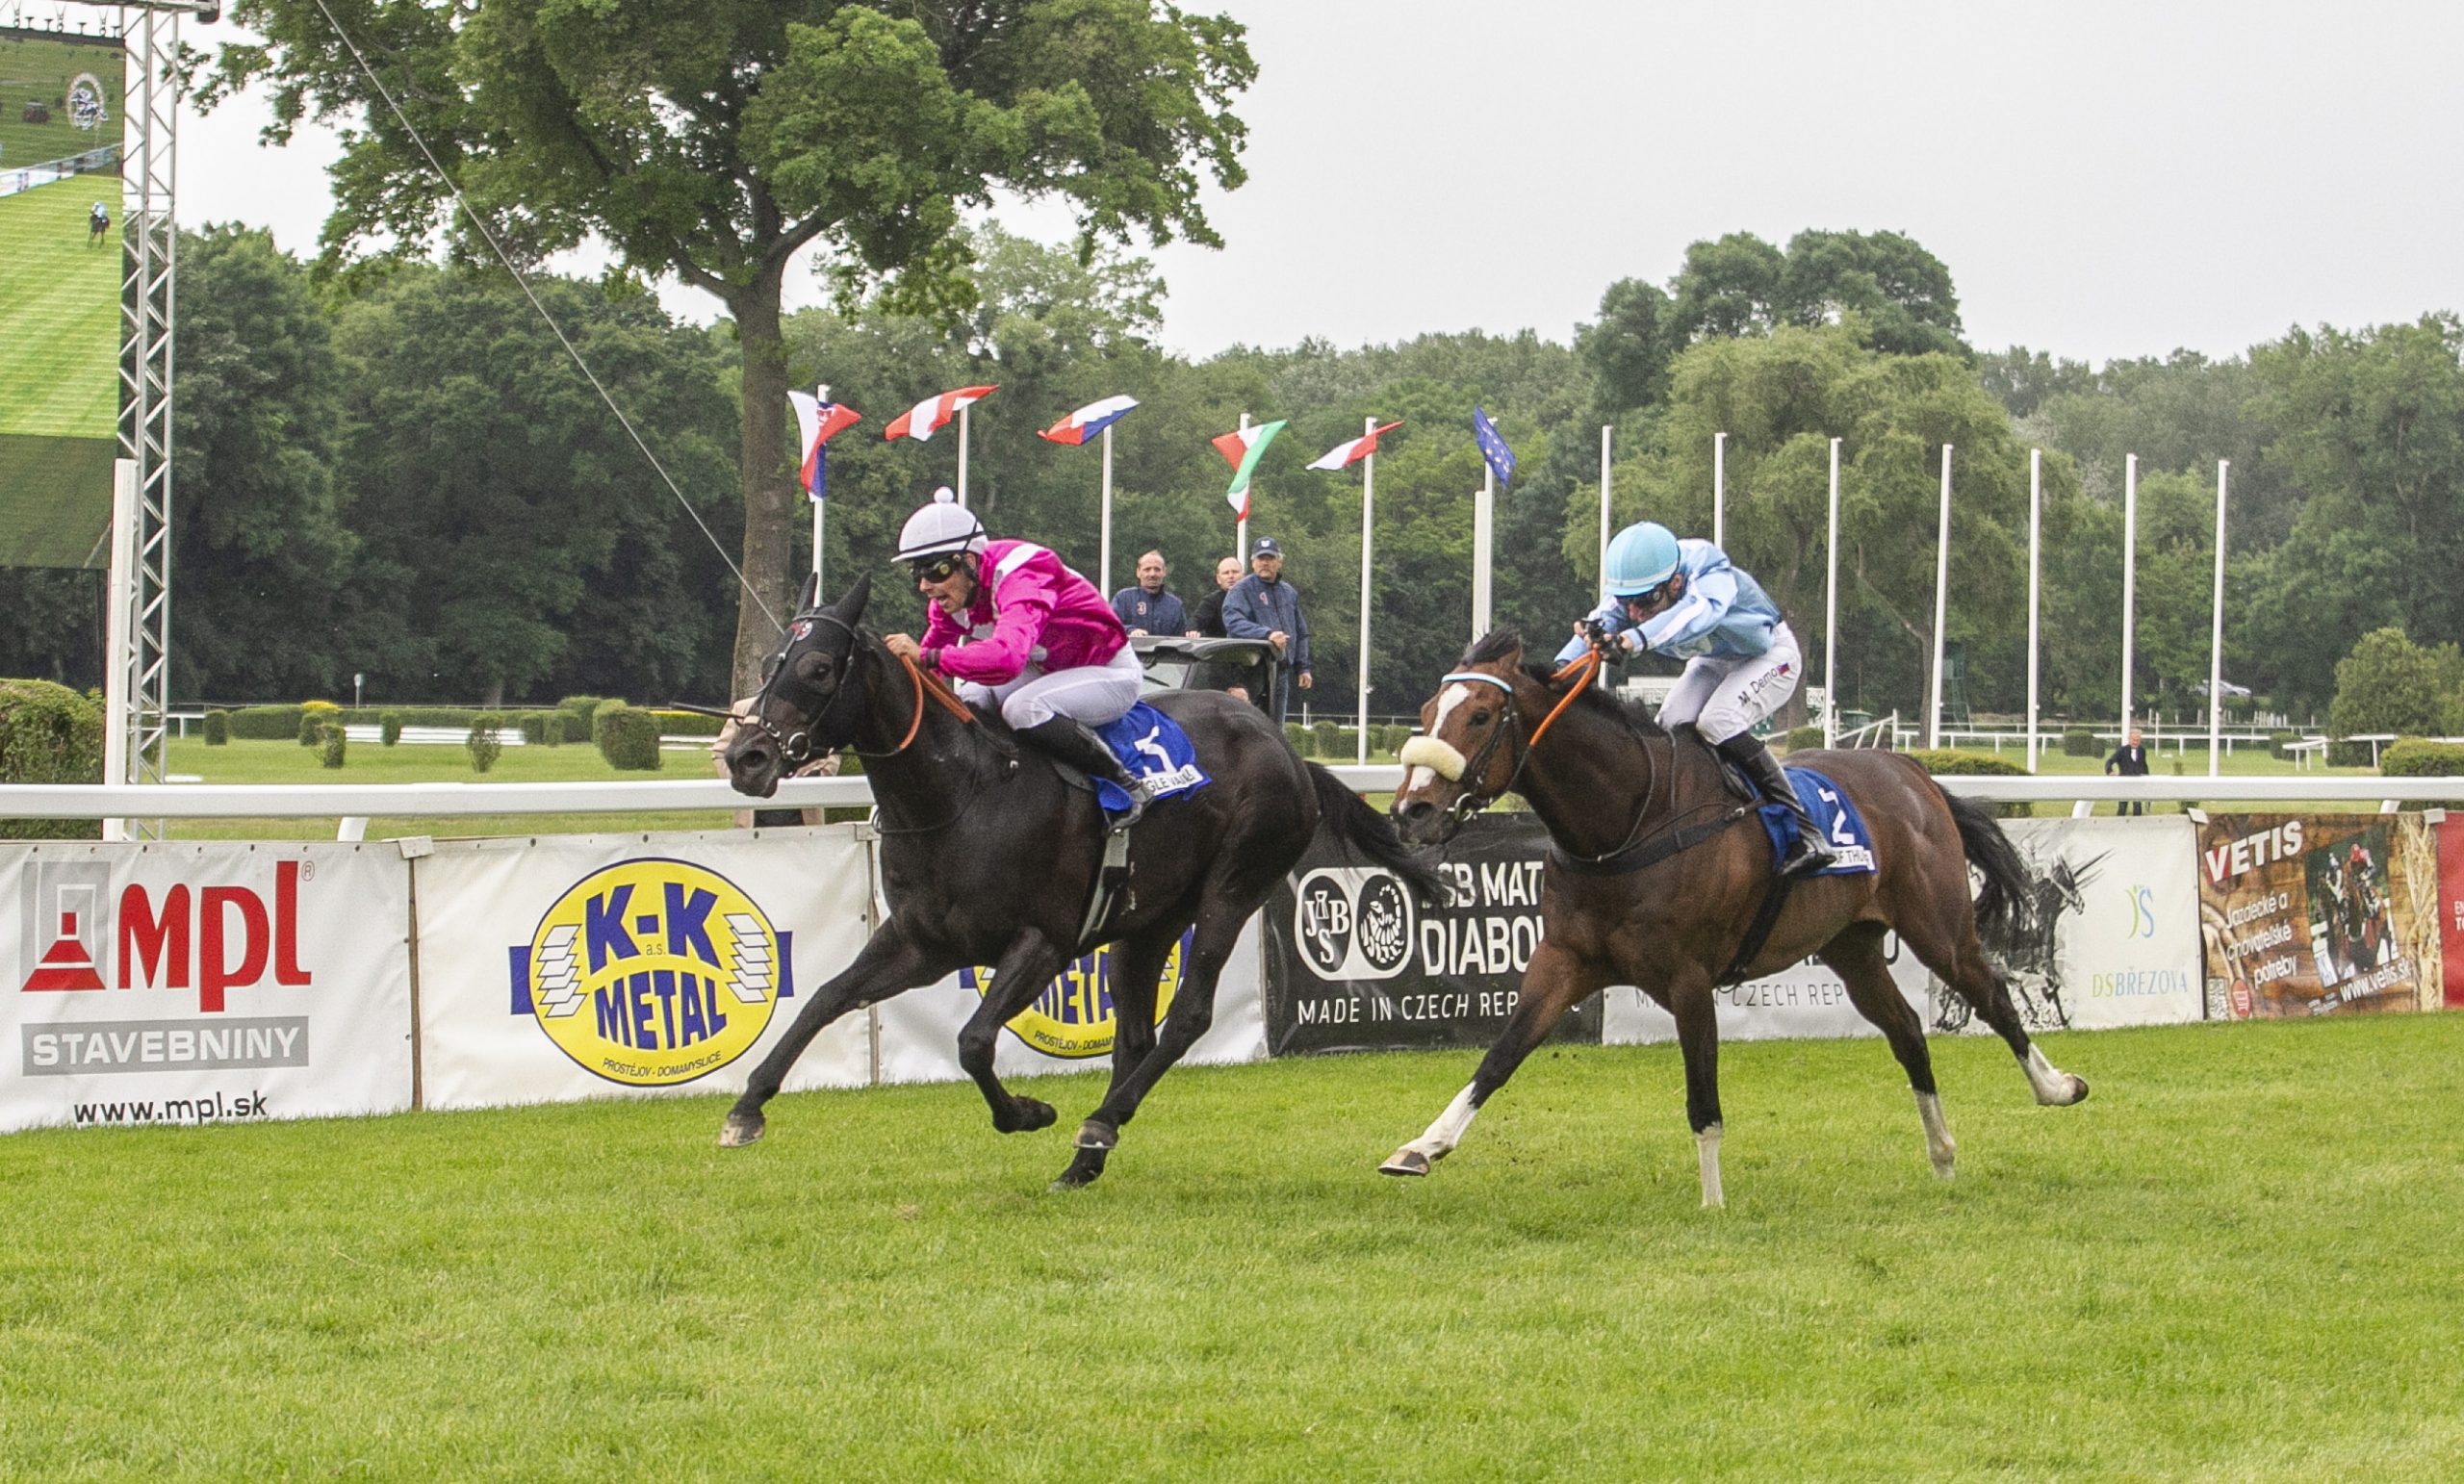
[1465, 756]
[794, 718]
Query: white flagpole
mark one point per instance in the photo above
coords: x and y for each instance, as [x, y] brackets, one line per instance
[1941, 597]
[961, 458]
[2216, 639]
[2129, 583]
[1106, 559]
[1367, 499]
[1720, 490]
[1241, 523]
[1482, 508]
[1831, 614]
[2035, 549]
[822, 395]
[1605, 430]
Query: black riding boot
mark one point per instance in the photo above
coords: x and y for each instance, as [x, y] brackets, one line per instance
[1076, 744]
[1809, 855]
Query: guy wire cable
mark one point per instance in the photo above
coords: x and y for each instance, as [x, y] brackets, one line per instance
[553, 327]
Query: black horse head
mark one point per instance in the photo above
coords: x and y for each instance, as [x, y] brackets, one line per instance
[811, 702]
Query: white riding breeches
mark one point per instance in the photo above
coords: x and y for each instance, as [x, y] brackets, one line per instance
[1092, 694]
[1724, 696]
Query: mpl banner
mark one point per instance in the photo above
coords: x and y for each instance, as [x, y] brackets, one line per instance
[618, 966]
[2315, 915]
[1354, 963]
[203, 982]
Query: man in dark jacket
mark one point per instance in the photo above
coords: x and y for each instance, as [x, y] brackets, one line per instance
[1208, 622]
[1147, 609]
[1261, 606]
[2130, 760]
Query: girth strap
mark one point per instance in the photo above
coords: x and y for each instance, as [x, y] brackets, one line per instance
[1758, 932]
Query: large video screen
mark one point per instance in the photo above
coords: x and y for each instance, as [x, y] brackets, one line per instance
[60, 278]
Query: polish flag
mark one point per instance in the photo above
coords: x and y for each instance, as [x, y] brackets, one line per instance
[933, 413]
[1082, 426]
[816, 424]
[1344, 455]
[1242, 449]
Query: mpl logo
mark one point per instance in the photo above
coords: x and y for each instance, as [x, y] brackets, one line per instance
[1074, 1018]
[217, 938]
[1353, 923]
[652, 972]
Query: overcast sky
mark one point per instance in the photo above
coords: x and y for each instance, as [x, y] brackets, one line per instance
[2103, 179]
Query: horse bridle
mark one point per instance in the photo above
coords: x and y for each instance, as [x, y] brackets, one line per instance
[1476, 766]
[795, 749]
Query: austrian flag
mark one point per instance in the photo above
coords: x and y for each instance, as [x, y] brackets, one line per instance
[1088, 422]
[1344, 455]
[1242, 449]
[933, 413]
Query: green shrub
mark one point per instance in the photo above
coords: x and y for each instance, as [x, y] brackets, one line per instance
[49, 735]
[2421, 757]
[1799, 737]
[1960, 763]
[217, 728]
[627, 737]
[389, 727]
[2079, 742]
[1299, 736]
[688, 724]
[330, 744]
[2280, 745]
[2342, 753]
[1325, 739]
[582, 706]
[312, 728]
[484, 742]
[544, 729]
[264, 724]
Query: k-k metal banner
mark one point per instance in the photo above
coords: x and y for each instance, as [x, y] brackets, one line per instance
[592, 965]
[2315, 915]
[199, 982]
[1354, 963]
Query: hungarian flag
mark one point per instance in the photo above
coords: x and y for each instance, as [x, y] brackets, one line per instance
[1242, 451]
[1082, 426]
[933, 413]
[816, 424]
[1344, 455]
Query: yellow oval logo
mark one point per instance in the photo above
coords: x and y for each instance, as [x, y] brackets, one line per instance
[1073, 1018]
[652, 973]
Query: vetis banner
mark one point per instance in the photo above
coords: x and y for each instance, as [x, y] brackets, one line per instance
[1354, 964]
[2315, 915]
[598, 966]
[200, 983]
[2449, 906]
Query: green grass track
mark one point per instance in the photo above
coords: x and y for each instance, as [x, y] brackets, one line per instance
[2238, 1260]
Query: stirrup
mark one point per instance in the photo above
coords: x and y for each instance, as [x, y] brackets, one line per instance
[1811, 856]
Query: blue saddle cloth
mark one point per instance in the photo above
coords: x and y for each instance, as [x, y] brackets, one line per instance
[1843, 827]
[1156, 751]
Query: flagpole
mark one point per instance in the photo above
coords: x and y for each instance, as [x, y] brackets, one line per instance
[2129, 585]
[1483, 509]
[2216, 639]
[962, 458]
[1605, 430]
[821, 395]
[1240, 522]
[1368, 500]
[1941, 597]
[1831, 614]
[2035, 559]
[1107, 545]
[1720, 490]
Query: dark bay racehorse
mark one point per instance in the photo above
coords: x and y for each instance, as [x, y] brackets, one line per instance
[987, 858]
[1654, 876]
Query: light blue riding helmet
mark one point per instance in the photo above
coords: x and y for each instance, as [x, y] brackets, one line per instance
[1642, 556]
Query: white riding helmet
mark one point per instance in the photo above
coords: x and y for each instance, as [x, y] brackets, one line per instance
[941, 527]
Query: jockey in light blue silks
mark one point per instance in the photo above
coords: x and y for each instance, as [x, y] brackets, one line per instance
[1684, 600]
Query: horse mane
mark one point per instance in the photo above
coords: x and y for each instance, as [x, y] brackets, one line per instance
[1498, 642]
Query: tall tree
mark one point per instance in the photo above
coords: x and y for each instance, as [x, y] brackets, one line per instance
[716, 143]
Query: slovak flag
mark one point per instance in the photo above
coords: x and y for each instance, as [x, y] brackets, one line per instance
[1344, 455]
[1242, 449]
[1082, 426]
[816, 424]
[933, 413]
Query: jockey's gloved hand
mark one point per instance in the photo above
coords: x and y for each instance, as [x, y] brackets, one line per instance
[1603, 643]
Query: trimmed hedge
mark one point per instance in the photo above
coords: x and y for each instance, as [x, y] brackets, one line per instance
[627, 737]
[1299, 736]
[49, 735]
[484, 742]
[1958, 762]
[389, 728]
[688, 724]
[312, 726]
[1800, 737]
[2280, 745]
[217, 728]
[330, 744]
[266, 724]
[2421, 757]
[2079, 742]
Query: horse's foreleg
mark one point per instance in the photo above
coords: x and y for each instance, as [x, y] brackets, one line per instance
[1698, 1040]
[1857, 958]
[1556, 981]
[1026, 970]
[1138, 1059]
[891, 963]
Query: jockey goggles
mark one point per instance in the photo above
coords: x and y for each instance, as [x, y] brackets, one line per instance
[935, 568]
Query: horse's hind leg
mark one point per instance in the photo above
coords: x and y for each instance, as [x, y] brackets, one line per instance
[1856, 956]
[1137, 966]
[1959, 961]
[1555, 983]
[891, 963]
[1025, 971]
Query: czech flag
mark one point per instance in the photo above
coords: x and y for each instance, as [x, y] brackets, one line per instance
[816, 424]
[1082, 426]
[1242, 449]
[933, 413]
[1343, 455]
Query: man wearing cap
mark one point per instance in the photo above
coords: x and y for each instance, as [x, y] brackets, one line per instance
[1261, 606]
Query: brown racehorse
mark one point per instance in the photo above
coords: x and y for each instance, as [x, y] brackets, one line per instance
[1656, 872]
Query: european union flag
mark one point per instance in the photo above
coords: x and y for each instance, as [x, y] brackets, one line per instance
[1492, 448]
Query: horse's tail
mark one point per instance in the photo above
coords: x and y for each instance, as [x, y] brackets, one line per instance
[1367, 832]
[1991, 851]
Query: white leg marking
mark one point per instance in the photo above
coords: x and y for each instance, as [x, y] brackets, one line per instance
[1447, 1131]
[2054, 1088]
[1707, 1149]
[1939, 1146]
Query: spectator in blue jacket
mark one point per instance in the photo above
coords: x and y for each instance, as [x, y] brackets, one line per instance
[1261, 606]
[1147, 609]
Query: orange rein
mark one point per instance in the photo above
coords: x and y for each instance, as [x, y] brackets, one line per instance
[939, 692]
[1586, 668]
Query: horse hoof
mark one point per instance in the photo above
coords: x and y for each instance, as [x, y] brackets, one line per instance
[1406, 1161]
[1082, 1171]
[1943, 1169]
[740, 1129]
[1096, 1134]
[2078, 1090]
[1026, 1115]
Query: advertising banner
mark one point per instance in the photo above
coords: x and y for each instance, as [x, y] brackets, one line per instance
[1354, 963]
[616, 965]
[205, 982]
[2449, 906]
[2315, 915]
[1805, 999]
